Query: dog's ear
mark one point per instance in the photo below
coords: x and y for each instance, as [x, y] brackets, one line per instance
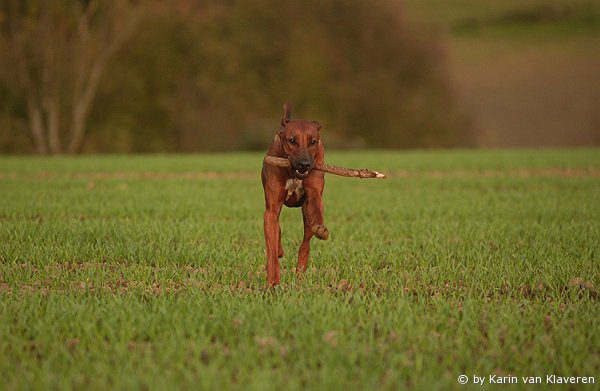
[287, 114]
[316, 124]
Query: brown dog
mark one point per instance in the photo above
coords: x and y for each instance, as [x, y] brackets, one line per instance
[299, 185]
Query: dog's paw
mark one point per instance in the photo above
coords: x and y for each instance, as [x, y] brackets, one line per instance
[320, 231]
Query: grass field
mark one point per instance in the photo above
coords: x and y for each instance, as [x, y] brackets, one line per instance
[146, 272]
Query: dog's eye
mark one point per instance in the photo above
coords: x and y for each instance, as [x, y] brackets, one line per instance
[292, 141]
[313, 141]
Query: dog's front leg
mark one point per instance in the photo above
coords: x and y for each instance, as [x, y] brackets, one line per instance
[304, 249]
[313, 207]
[272, 232]
[314, 221]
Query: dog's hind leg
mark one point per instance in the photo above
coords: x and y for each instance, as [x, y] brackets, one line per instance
[271, 225]
[280, 251]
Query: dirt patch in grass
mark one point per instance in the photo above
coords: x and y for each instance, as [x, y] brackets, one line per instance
[198, 280]
[116, 278]
[109, 266]
[153, 175]
[125, 175]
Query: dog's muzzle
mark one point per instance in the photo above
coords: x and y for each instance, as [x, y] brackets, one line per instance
[302, 168]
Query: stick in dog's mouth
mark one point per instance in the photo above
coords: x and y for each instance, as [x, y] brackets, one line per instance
[349, 172]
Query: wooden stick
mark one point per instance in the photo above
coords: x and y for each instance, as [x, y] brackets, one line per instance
[350, 172]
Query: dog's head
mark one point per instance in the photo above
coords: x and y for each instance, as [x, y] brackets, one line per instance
[300, 140]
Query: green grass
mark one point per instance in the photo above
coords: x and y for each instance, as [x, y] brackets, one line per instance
[147, 272]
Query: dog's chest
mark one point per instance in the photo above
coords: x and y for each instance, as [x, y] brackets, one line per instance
[294, 189]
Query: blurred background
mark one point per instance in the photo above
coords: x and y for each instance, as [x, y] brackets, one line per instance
[98, 76]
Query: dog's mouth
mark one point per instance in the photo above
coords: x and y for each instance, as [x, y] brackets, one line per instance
[301, 173]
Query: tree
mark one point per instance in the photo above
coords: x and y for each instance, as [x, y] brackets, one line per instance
[59, 52]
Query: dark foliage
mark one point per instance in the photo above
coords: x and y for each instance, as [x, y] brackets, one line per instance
[212, 75]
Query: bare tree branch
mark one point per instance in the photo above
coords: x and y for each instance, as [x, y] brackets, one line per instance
[37, 126]
[89, 85]
[50, 87]
[60, 52]
[22, 69]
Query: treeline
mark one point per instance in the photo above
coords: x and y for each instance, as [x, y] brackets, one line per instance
[212, 75]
